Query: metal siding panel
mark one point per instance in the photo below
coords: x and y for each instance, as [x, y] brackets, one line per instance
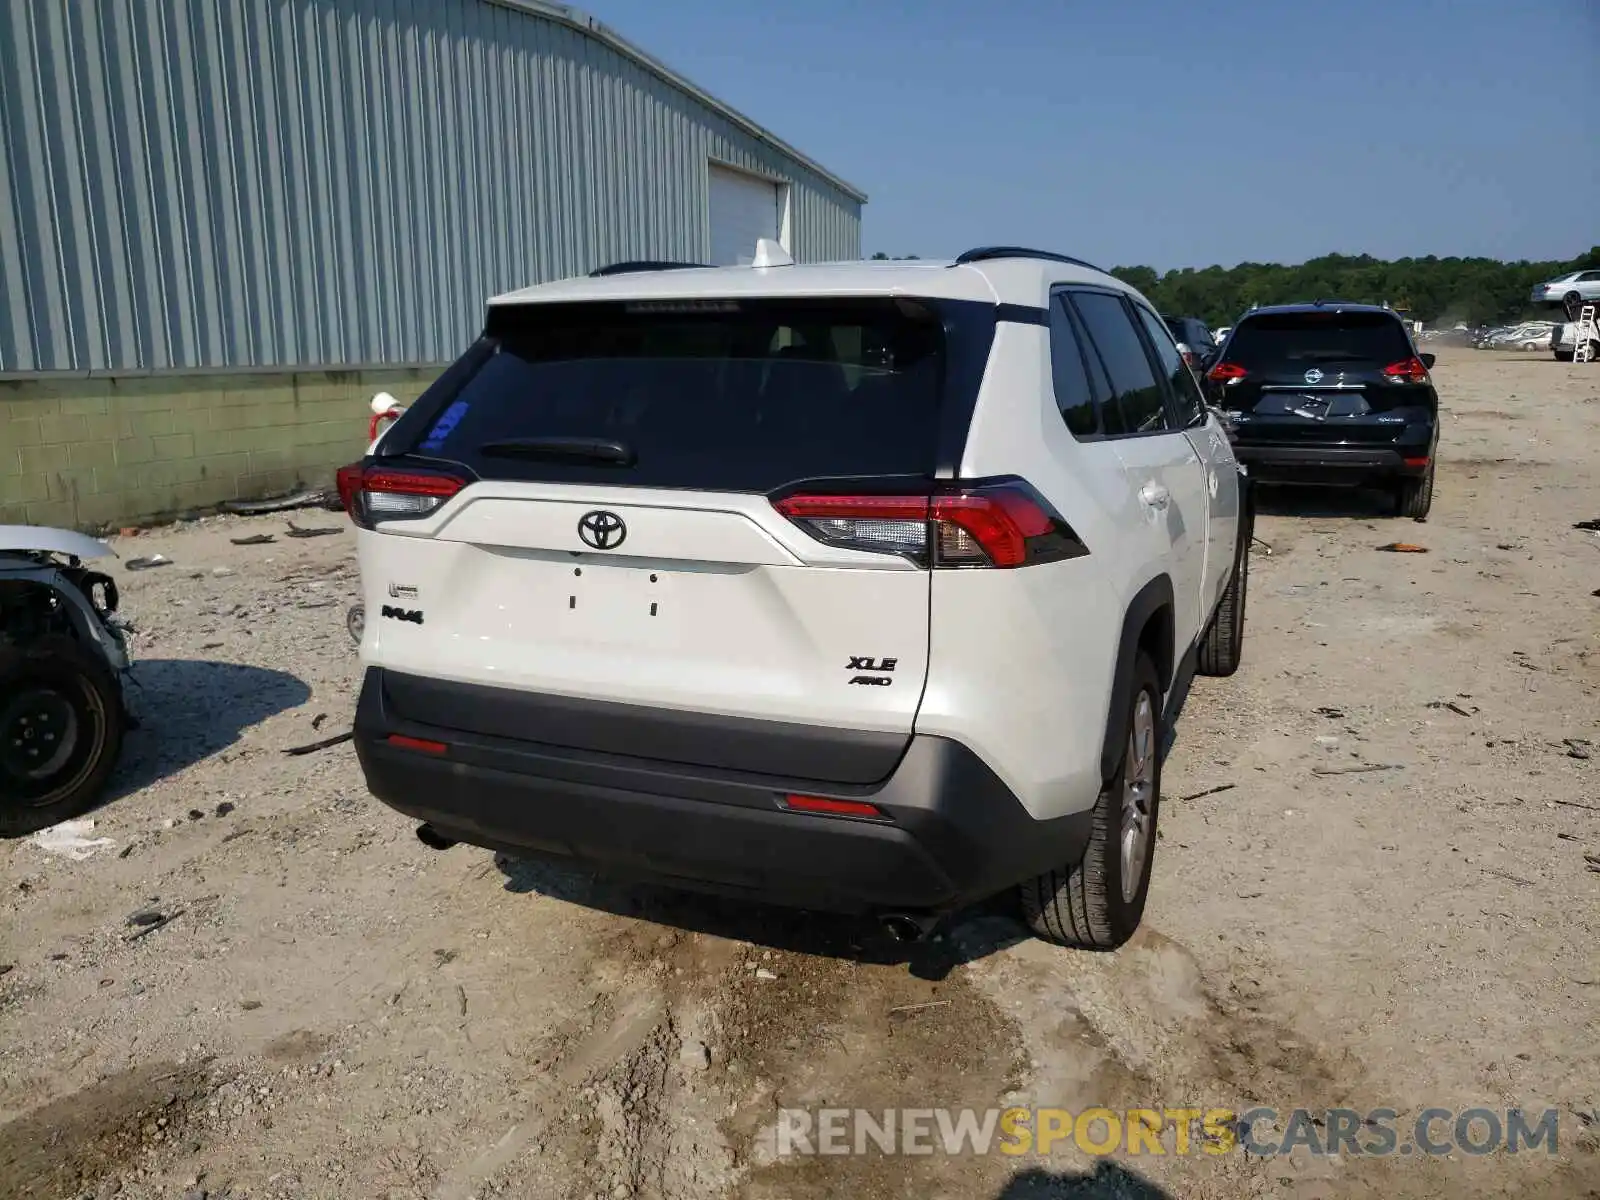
[193, 183]
[17, 349]
[38, 233]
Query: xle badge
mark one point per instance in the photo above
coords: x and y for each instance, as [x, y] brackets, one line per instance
[866, 663]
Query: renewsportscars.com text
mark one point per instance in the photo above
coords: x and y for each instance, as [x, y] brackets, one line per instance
[1263, 1132]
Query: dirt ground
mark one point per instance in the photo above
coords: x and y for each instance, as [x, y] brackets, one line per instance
[334, 1010]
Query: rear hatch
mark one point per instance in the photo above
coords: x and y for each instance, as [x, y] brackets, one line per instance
[1333, 376]
[615, 537]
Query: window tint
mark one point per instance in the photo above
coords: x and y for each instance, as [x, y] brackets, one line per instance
[1184, 388]
[1319, 337]
[1073, 394]
[727, 396]
[1139, 405]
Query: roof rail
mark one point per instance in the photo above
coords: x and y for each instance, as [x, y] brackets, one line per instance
[630, 268]
[988, 253]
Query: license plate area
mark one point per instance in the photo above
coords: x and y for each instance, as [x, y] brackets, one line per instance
[628, 603]
[1313, 406]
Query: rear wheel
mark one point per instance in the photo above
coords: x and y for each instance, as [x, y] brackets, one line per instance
[1414, 497]
[61, 726]
[1223, 645]
[1096, 904]
[1564, 355]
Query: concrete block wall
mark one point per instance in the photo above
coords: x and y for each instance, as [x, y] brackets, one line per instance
[88, 453]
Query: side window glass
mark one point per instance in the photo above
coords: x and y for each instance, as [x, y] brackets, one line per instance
[1137, 396]
[1184, 388]
[1073, 393]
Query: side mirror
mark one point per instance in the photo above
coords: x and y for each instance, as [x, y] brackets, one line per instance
[1428, 360]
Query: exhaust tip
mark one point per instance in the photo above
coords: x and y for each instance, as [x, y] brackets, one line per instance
[433, 839]
[902, 928]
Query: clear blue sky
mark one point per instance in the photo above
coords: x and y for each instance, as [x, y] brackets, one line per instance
[1167, 133]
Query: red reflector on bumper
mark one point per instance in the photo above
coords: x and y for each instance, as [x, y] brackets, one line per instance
[422, 744]
[1415, 462]
[838, 808]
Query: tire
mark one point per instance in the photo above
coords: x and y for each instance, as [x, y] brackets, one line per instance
[1572, 304]
[355, 621]
[56, 689]
[1414, 497]
[1564, 355]
[1223, 644]
[1084, 905]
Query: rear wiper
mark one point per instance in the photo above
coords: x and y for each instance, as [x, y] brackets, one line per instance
[563, 449]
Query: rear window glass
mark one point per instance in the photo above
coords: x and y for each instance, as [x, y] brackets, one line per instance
[714, 395]
[1319, 337]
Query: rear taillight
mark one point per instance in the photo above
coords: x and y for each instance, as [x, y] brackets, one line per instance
[374, 494]
[1000, 525]
[1407, 370]
[1226, 373]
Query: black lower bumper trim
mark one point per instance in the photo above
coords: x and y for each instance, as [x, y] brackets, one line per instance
[952, 831]
[1312, 464]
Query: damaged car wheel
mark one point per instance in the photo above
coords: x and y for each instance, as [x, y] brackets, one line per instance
[61, 726]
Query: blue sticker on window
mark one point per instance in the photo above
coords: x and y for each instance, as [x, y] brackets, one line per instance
[444, 426]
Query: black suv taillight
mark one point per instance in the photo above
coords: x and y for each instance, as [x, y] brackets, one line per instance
[374, 494]
[996, 525]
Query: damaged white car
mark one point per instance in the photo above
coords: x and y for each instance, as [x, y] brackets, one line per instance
[63, 655]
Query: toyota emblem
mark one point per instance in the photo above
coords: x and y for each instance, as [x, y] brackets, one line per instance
[601, 529]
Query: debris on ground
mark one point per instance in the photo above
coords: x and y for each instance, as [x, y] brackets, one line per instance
[224, 809]
[1453, 707]
[313, 747]
[145, 916]
[161, 922]
[1255, 541]
[1403, 548]
[1362, 769]
[316, 721]
[70, 840]
[1507, 875]
[144, 564]
[311, 531]
[902, 1009]
[272, 504]
[1212, 791]
[1592, 862]
[1333, 714]
[1593, 525]
[255, 539]
[1579, 748]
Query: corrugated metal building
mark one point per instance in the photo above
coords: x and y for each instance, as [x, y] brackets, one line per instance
[224, 183]
[270, 188]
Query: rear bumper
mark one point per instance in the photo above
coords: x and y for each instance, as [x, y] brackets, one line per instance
[951, 833]
[1276, 463]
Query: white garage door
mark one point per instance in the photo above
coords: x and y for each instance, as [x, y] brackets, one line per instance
[743, 208]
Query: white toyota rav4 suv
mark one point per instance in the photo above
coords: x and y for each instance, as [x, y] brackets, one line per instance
[855, 587]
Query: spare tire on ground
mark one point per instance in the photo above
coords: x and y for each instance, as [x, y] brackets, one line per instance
[61, 727]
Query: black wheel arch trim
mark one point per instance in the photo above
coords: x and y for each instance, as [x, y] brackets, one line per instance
[1150, 600]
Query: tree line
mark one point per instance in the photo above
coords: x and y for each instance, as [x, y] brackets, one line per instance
[1476, 291]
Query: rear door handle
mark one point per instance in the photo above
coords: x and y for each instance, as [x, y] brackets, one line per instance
[1154, 495]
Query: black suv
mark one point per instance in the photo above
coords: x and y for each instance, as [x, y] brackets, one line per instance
[1330, 393]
